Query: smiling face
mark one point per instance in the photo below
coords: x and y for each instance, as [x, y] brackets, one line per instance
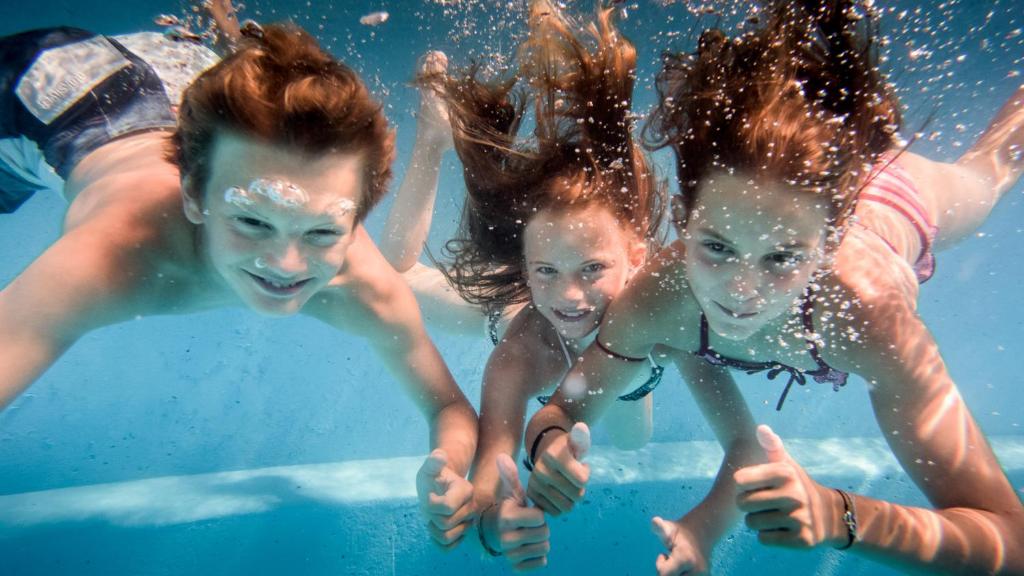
[577, 261]
[751, 249]
[276, 223]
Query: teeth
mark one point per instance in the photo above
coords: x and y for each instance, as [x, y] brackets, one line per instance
[279, 284]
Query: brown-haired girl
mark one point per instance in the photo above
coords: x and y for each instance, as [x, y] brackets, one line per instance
[255, 198]
[804, 232]
[552, 230]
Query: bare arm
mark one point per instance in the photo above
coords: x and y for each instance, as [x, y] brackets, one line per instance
[722, 404]
[978, 524]
[376, 303]
[62, 295]
[408, 223]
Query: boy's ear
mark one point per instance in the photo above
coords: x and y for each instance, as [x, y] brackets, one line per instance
[190, 202]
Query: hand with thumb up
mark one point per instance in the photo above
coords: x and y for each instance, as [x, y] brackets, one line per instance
[559, 477]
[446, 499]
[684, 556]
[512, 527]
[783, 504]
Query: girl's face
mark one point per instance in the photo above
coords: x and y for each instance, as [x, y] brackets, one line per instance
[577, 261]
[277, 224]
[751, 249]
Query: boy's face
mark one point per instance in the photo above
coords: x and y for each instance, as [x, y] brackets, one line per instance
[277, 223]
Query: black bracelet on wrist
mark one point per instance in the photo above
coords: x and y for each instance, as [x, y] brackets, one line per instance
[480, 532]
[528, 462]
[849, 519]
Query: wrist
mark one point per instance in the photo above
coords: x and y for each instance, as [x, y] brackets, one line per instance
[845, 520]
[487, 529]
[545, 437]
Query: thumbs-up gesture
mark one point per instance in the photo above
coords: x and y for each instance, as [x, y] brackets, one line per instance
[559, 477]
[512, 527]
[684, 555]
[446, 499]
[784, 505]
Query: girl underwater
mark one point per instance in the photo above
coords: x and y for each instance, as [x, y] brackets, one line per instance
[804, 231]
[553, 228]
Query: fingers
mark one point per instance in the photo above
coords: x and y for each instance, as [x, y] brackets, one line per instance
[531, 564]
[514, 516]
[670, 566]
[556, 490]
[448, 539]
[457, 496]
[529, 556]
[511, 487]
[771, 520]
[543, 502]
[524, 537]
[771, 443]
[765, 500]
[761, 476]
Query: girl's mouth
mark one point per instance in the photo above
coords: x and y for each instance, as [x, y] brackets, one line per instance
[572, 316]
[734, 314]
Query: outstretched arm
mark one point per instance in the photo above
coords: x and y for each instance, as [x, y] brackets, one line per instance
[408, 223]
[508, 525]
[978, 524]
[373, 301]
[66, 292]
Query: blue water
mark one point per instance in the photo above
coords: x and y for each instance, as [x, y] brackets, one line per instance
[226, 442]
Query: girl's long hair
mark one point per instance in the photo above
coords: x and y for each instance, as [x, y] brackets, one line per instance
[800, 100]
[579, 85]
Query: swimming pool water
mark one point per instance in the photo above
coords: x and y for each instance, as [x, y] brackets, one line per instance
[225, 442]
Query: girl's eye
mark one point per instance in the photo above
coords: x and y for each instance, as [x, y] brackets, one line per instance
[784, 259]
[716, 247]
[594, 267]
[546, 270]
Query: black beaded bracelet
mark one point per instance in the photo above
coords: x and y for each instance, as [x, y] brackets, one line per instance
[528, 462]
[849, 519]
[480, 532]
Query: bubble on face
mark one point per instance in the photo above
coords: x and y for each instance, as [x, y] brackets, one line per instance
[260, 263]
[278, 192]
[341, 208]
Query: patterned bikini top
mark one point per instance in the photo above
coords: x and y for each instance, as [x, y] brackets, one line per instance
[494, 316]
[643, 390]
[823, 374]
